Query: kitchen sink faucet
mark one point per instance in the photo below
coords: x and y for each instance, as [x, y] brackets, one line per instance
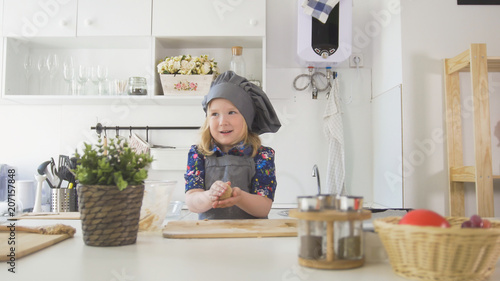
[315, 173]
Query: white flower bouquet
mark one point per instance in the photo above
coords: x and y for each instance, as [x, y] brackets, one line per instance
[188, 65]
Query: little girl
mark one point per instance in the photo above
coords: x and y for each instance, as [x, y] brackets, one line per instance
[230, 153]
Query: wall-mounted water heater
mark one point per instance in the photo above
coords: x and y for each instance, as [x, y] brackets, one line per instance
[325, 44]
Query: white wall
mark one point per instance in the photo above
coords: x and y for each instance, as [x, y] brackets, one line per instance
[432, 31]
[31, 134]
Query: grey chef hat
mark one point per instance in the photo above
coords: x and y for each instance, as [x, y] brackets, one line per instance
[250, 100]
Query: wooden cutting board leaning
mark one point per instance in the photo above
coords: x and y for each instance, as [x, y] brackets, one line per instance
[29, 240]
[231, 228]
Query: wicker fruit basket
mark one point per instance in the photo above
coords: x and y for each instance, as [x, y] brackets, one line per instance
[440, 254]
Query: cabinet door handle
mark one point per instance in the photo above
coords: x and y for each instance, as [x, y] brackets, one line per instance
[87, 22]
[63, 23]
[253, 22]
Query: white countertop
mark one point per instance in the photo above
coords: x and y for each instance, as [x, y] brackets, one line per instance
[156, 258]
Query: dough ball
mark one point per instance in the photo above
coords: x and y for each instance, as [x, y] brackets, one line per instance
[226, 193]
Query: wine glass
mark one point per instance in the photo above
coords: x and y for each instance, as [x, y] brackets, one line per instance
[93, 78]
[52, 67]
[29, 66]
[40, 65]
[83, 77]
[69, 74]
[102, 75]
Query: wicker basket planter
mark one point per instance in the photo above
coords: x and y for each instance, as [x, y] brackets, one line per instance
[186, 85]
[110, 217]
[440, 254]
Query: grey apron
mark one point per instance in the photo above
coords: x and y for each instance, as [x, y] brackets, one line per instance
[239, 170]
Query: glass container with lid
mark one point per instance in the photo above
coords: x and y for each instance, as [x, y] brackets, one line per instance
[137, 86]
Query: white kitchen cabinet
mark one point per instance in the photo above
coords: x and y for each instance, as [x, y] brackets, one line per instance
[1, 17]
[1, 64]
[1, 47]
[209, 18]
[117, 34]
[114, 18]
[124, 57]
[217, 47]
[34, 18]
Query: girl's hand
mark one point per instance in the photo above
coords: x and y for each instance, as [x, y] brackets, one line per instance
[231, 201]
[216, 190]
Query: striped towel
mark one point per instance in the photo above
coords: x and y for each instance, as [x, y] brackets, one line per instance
[319, 9]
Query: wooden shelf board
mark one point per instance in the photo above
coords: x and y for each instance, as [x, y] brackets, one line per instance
[461, 63]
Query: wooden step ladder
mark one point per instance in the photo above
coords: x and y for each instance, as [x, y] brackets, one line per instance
[478, 64]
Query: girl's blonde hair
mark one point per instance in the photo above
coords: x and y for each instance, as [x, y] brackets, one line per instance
[205, 145]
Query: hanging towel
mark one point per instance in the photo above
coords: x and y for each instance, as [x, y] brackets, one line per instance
[334, 131]
[319, 9]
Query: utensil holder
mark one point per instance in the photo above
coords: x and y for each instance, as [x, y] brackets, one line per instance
[64, 200]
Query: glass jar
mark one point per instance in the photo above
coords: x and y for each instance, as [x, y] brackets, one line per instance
[349, 240]
[237, 62]
[311, 239]
[311, 232]
[137, 86]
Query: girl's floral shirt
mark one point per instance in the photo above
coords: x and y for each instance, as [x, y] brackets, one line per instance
[263, 182]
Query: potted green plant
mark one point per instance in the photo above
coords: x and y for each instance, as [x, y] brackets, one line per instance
[110, 190]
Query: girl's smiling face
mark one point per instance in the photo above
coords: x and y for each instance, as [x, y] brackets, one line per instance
[227, 125]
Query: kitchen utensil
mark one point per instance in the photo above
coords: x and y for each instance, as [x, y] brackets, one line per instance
[64, 169]
[231, 228]
[48, 168]
[50, 229]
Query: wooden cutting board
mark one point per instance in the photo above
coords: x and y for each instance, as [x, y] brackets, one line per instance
[48, 216]
[27, 243]
[231, 228]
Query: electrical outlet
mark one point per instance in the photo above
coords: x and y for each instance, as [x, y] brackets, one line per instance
[356, 60]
